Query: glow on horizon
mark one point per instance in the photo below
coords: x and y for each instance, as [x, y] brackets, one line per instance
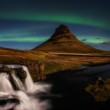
[24, 39]
[89, 38]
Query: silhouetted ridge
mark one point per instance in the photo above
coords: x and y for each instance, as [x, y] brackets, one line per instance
[62, 32]
[62, 29]
[64, 41]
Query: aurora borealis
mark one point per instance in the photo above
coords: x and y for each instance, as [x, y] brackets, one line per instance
[27, 23]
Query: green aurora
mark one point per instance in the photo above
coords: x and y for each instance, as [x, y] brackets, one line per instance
[32, 22]
[59, 18]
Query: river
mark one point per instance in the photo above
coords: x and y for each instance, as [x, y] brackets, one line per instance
[69, 88]
[64, 90]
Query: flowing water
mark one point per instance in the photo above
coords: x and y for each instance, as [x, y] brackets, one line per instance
[5, 84]
[26, 98]
[67, 90]
[17, 82]
[69, 86]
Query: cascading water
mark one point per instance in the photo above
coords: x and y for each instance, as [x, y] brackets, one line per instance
[17, 82]
[29, 84]
[5, 84]
[26, 97]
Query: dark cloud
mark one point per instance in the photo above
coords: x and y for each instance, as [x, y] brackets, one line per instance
[100, 46]
[106, 43]
[84, 40]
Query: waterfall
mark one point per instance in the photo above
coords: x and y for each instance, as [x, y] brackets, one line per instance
[26, 95]
[17, 82]
[26, 102]
[29, 84]
[5, 84]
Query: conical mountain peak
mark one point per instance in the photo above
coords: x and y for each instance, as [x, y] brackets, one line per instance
[64, 41]
[63, 32]
[62, 28]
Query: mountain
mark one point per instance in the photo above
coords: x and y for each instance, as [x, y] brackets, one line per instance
[64, 41]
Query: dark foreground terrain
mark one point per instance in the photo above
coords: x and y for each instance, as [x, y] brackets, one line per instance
[68, 88]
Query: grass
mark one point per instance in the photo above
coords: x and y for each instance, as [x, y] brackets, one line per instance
[53, 63]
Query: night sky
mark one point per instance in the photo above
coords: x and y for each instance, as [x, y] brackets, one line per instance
[25, 24]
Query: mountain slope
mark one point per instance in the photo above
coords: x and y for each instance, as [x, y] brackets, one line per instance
[64, 41]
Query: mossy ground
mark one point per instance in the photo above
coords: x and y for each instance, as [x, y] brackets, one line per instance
[53, 63]
[99, 92]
